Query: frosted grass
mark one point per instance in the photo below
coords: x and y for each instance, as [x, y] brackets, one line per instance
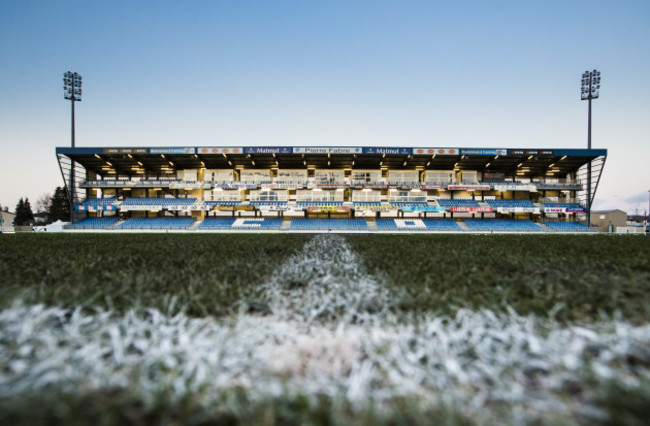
[328, 334]
[326, 282]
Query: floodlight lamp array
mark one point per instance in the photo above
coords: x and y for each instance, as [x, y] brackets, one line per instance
[590, 85]
[72, 86]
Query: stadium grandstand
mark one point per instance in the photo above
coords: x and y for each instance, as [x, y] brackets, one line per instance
[343, 189]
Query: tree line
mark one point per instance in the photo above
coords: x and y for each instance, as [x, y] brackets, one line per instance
[56, 206]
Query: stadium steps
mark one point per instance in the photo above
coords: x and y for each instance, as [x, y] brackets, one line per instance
[372, 226]
[286, 225]
[114, 225]
[195, 225]
[463, 226]
[545, 228]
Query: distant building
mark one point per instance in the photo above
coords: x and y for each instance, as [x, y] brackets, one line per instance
[608, 220]
[6, 218]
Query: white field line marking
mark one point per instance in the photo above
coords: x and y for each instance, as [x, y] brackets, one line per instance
[494, 368]
[325, 282]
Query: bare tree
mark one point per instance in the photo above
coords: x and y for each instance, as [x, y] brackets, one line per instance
[43, 203]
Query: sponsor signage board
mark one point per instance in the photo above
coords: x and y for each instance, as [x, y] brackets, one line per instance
[514, 187]
[545, 152]
[389, 151]
[188, 185]
[267, 150]
[435, 151]
[331, 209]
[92, 208]
[125, 150]
[330, 150]
[465, 209]
[517, 209]
[282, 186]
[423, 209]
[468, 187]
[554, 210]
[236, 186]
[153, 207]
[207, 150]
[433, 186]
[172, 150]
[483, 151]
[273, 207]
[181, 207]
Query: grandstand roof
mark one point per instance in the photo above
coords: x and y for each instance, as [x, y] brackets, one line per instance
[497, 160]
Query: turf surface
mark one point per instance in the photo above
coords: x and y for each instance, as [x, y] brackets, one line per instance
[572, 278]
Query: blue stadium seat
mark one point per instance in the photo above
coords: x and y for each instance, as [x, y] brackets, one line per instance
[569, 206]
[241, 223]
[510, 203]
[459, 202]
[94, 223]
[356, 224]
[568, 227]
[222, 203]
[157, 223]
[512, 225]
[98, 201]
[407, 224]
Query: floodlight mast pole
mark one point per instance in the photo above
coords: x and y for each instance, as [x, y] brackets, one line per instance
[590, 90]
[72, 92]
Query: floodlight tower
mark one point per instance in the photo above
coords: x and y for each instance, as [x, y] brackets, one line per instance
[590, 90]
[72, 92]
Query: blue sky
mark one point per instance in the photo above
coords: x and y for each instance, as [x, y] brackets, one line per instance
[391, 73]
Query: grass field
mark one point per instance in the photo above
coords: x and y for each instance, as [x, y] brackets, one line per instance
[297, 329]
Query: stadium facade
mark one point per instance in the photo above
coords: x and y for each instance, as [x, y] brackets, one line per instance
[341, 188]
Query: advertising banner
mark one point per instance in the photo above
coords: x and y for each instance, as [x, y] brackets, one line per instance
[435, 151]
[179, 208]
[517, 209]
[330, 209]
[433, 186]
[125, 150]
[92, 208]
[545, 152]
[514, 187]
[554, 210]
[273, 207]
[267, 150]
[328, 185]
[464, 209]
[141, 208]
[330, 150]
[468, 187]
[219, 150]
[483, 151]
[423, 209]
[390, 151]
[172, 150]
[190, 185]
[236, 186]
